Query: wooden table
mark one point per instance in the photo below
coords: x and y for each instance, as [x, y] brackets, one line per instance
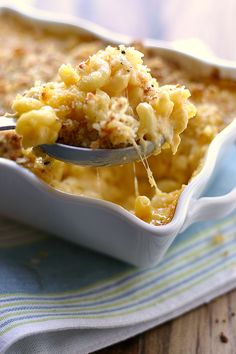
[210, 329]
[213, 22]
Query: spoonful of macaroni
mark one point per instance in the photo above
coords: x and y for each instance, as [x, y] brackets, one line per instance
[107, 110]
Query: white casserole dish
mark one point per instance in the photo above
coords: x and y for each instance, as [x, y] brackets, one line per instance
[101, 225]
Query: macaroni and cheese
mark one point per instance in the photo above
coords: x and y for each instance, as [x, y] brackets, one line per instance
[30, 54]
[109, 100]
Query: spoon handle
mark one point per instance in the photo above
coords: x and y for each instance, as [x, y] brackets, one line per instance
[7, 123]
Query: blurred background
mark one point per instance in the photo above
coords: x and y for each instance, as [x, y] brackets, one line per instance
[211, 21]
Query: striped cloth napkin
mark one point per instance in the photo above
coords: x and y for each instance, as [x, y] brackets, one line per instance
[59, 298]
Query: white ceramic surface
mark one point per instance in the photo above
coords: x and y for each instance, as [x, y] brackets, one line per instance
[101, 225]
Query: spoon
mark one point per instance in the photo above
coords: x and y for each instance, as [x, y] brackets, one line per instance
[90, 157]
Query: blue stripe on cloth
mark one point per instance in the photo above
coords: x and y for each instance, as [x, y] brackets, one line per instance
[134, 274]
[134, 289]
[121, 308]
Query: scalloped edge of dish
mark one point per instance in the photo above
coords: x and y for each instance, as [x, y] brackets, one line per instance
[198, 182]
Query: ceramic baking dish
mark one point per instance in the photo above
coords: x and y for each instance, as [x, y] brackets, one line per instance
[101, 225]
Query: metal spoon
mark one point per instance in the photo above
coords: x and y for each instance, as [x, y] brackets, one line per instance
[90, 157]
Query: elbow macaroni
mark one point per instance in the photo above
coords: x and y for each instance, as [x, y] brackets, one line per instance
[39, 126]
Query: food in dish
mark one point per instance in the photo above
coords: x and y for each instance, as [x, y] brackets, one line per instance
[31, 54]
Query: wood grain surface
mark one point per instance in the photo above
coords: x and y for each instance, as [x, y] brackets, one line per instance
[214, 23]
[210, 329]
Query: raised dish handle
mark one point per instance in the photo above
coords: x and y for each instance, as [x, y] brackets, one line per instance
[210, 208]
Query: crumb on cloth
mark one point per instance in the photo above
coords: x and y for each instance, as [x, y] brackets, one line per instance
[218, 239]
